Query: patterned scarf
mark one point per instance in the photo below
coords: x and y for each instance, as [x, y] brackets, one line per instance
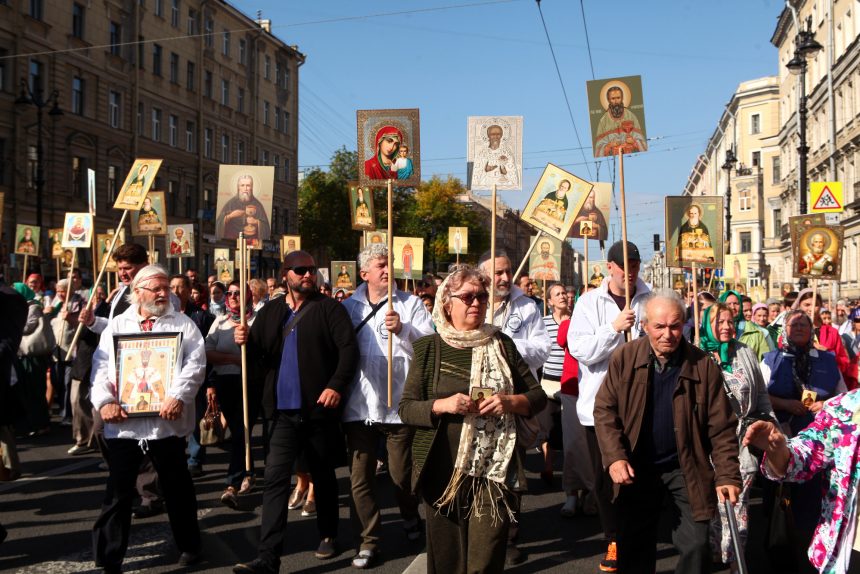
[802, 364]
[709, 343]
[486, 442]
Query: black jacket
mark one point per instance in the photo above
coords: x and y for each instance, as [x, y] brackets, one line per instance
[88, 342]
[11, 329]
[202, 318]
[327, 349]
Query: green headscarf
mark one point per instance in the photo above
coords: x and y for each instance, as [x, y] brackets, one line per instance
[708, 341]
[24, 291]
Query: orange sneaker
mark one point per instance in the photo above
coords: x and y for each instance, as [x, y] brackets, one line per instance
[610, 560]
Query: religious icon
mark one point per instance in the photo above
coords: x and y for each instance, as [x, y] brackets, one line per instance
[816, 246]
[408, 257]
[735, 272]
[224, 271]
[375, 237]
[245, 194]
[104, 242]
[458, 240]
[220, 254]
[808, 398]
[591, 221]
[55, 235]
[694, 231]
[545, 260]
[180, 241]
[151, 218]
[137, 184]
[557, 198]
[617, 113]
[343, 274]
[361, 206]
[145, 369]
[290, 243]
[595, 274]
[495, 152]
[77, 230]
[27, 239]
[388, 147]
[480, 394]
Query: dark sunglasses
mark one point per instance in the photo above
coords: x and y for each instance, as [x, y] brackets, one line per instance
[469, 298]
[302, 269]
[232, 293]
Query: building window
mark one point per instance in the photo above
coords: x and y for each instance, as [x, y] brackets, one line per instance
[115, 38]
[174, 68]
[207, 143]
[225, 93]
[77, 175]
[286, 123]
[285, 81]
[265, 113]
[207, 84]
[156, 125]
[159, 7]
[755, 124]
[267, 67]
[140, 45]
[225, 148]
[36, 76]
[745, 200]
[174, 13]
[171, 197]
[190, 76]
[243, 52]
[286, 169]
[240, 100]
[240, 152]
[114, 109]
[275, 220]
[32, 162]
[777, 222]
[78, 96]
[265, 159]
[113, 188]
[190, 208]
[277, 163]
[277, 119]
[776, 176]
[225, 44]
[140, 121]
[756, 158]
[209, 31]
[189, 136]
[278, 73]
[746, 241]
[156, 59]
[192, 22]
[37, 9]
[77, 20]
[173, 130]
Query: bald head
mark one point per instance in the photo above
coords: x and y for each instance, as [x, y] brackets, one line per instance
[298, 257]
[664, 322]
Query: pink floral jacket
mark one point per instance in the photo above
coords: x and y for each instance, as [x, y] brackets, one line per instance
[830, 445]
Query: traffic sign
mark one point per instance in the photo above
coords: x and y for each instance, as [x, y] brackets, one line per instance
[826, 197]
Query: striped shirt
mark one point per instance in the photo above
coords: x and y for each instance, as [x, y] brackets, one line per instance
[554, 363]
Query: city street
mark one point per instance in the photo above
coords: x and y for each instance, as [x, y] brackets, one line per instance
[50, 510]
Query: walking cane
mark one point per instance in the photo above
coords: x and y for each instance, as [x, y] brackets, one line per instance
[733, 530]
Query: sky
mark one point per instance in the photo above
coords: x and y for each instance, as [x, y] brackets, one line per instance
[458, 58]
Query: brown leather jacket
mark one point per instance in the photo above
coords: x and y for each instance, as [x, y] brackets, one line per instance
[704, 421]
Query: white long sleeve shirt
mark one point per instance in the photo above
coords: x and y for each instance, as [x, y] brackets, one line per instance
[522, 321]
[591, 339]
[368, 394]
[188, 374]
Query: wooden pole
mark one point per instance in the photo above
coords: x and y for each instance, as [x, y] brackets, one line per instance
[814, 297]
[491, 309]
[24, 274]
[585, 256]
[695, 306]
[458, 258]
[180, 265]
[98, 280]
[528, 252]
[151, 247]
[390, 288]
[544, 295]
[623, 229]
[59, 267]
[95, 251]
[244, 350]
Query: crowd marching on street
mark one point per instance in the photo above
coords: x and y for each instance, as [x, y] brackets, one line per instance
[651, 408]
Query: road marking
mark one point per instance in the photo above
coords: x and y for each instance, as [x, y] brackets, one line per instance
[417, 566]
[49, 474]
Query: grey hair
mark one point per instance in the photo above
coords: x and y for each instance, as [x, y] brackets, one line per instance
[63, 284]
[460, 276]
[498, 253]
[144, 275]
[371, 252]
[667, 295]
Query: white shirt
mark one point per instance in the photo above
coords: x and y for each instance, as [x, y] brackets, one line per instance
[591, 339]
[189, 373]
[368, 394]
[522, 321]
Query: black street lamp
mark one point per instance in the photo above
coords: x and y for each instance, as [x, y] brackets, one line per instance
[35, 96]
[805, 48]
[728, 165]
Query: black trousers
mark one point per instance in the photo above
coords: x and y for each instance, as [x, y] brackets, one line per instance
[124, 456]
[639, 508]
[229, 391]
[602, 486]
[291, 436]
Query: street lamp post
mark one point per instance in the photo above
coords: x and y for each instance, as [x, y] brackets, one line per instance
[730, 162]
[35, 96]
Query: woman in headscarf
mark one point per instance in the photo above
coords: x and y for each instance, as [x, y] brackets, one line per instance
[747, 393]
[760, 315]
[756, 338]
[826, 337]
[386, 144]
[224, 355]
[466, 466]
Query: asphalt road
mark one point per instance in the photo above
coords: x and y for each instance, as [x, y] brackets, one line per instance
[50, 510]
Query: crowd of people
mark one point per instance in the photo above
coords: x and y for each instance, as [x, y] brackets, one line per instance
[648, 405]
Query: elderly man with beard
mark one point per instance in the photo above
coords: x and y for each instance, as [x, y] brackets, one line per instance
[302, 398]
[161, 438]
[231, 220]
[520, 318]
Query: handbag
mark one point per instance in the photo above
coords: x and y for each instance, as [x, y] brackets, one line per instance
[781, 540]
[41, 341]
[211, 426]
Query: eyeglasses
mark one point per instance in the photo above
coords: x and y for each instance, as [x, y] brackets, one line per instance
[303, 269]
[164, 289]
[469, 298]
[232, 293]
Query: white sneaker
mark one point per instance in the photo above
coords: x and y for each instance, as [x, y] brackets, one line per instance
[569, 508]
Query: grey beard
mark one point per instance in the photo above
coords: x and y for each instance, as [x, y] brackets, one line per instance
[155, 309]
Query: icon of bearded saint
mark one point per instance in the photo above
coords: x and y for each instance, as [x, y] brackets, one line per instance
[619, 128]
[243, 211]
[817, 261]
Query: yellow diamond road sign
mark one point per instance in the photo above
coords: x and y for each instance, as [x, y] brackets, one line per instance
[826, 197]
